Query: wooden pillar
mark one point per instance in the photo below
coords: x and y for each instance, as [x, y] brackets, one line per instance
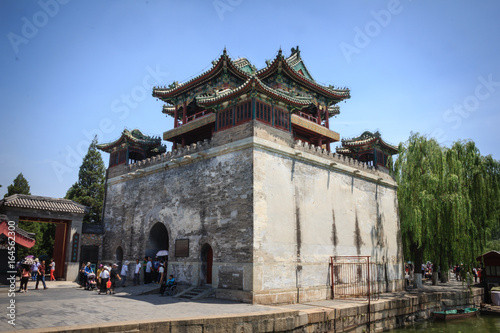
[176, 116]
[253, 108]
[183, 142]
[319, 116]
[327, 118]
[59, 253]
[184, 113]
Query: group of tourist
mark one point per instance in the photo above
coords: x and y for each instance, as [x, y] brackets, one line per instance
[36, 271]
[461, 273]
[106, 277]
[153, 270]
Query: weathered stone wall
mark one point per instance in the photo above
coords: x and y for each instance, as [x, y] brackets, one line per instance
[306, 211]
[273, 211]
[206, 201]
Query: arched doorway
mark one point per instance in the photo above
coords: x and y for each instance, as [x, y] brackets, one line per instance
[158, 240]
[119, 257]
[207, 257]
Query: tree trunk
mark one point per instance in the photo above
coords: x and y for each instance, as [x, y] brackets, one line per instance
[434, 278]
[417, 269]
[445, 273]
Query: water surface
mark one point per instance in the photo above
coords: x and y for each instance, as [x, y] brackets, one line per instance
[480, 324]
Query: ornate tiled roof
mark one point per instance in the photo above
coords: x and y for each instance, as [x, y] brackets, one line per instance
[284, 64]
[296, 62]
[366, 138]
[253, 83]
[341, 150]
[42, 203]
[244, 69]
[134, 136]
[224, 62]
[168, 109]
[245, 65]
[333, 110]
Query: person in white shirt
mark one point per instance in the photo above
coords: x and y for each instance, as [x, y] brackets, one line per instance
[137, 272]
[104, 280]
[161, 271]
[149, 268]
[124, 272]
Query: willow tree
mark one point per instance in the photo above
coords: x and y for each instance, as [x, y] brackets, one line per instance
[419, 172]
[448, 201]
[492, 168]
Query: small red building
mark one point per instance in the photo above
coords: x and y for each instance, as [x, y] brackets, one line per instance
[491, 268]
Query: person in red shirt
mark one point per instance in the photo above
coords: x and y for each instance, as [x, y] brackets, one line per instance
[41, 275]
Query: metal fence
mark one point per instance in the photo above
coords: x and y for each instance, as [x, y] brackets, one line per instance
[356, 277]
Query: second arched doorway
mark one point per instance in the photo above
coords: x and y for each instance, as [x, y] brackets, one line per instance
[158, 240]
[207, 258]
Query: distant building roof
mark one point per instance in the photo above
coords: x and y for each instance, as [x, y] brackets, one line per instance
[42, 203]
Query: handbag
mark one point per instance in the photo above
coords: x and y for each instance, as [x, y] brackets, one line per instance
[108, 284]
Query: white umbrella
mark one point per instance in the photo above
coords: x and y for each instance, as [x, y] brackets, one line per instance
[28, 261]
[162, 253]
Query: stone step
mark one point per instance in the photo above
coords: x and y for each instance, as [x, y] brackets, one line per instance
[197, 293]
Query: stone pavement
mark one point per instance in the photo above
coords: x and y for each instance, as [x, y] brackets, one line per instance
[64, 304]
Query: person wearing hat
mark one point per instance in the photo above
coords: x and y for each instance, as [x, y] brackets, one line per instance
[98, 274]
[104, 280]
[113, 275]
[88, 270]
[124, 272]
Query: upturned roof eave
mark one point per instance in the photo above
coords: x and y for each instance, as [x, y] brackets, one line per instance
[125, 138]
[322, 90]
[352, 144]
[253, 84]
[167, 94]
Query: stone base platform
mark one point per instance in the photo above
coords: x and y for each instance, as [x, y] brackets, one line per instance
[390, 311]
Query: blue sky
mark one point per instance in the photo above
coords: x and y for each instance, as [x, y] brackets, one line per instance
[73, 69]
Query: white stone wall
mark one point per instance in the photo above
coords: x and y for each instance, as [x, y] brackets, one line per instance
[307, 211]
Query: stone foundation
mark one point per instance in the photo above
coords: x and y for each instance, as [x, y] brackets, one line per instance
[387, 313]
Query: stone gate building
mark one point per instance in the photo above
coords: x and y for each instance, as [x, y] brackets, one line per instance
[251, 200]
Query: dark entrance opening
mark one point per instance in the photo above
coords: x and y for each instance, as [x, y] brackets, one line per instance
[158, 240]
[207, 257]
[90, 253]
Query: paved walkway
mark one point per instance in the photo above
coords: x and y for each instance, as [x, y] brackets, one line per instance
[64, 304]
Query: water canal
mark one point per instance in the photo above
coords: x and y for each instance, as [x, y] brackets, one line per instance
[480, 324]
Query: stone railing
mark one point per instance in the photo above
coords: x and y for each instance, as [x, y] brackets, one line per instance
[206, 144]
[339, 158]
[169, 155]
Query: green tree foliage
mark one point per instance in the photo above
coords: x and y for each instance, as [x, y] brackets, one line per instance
[19, 186]
[448, 200]
[89, 190]
[44, 239]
